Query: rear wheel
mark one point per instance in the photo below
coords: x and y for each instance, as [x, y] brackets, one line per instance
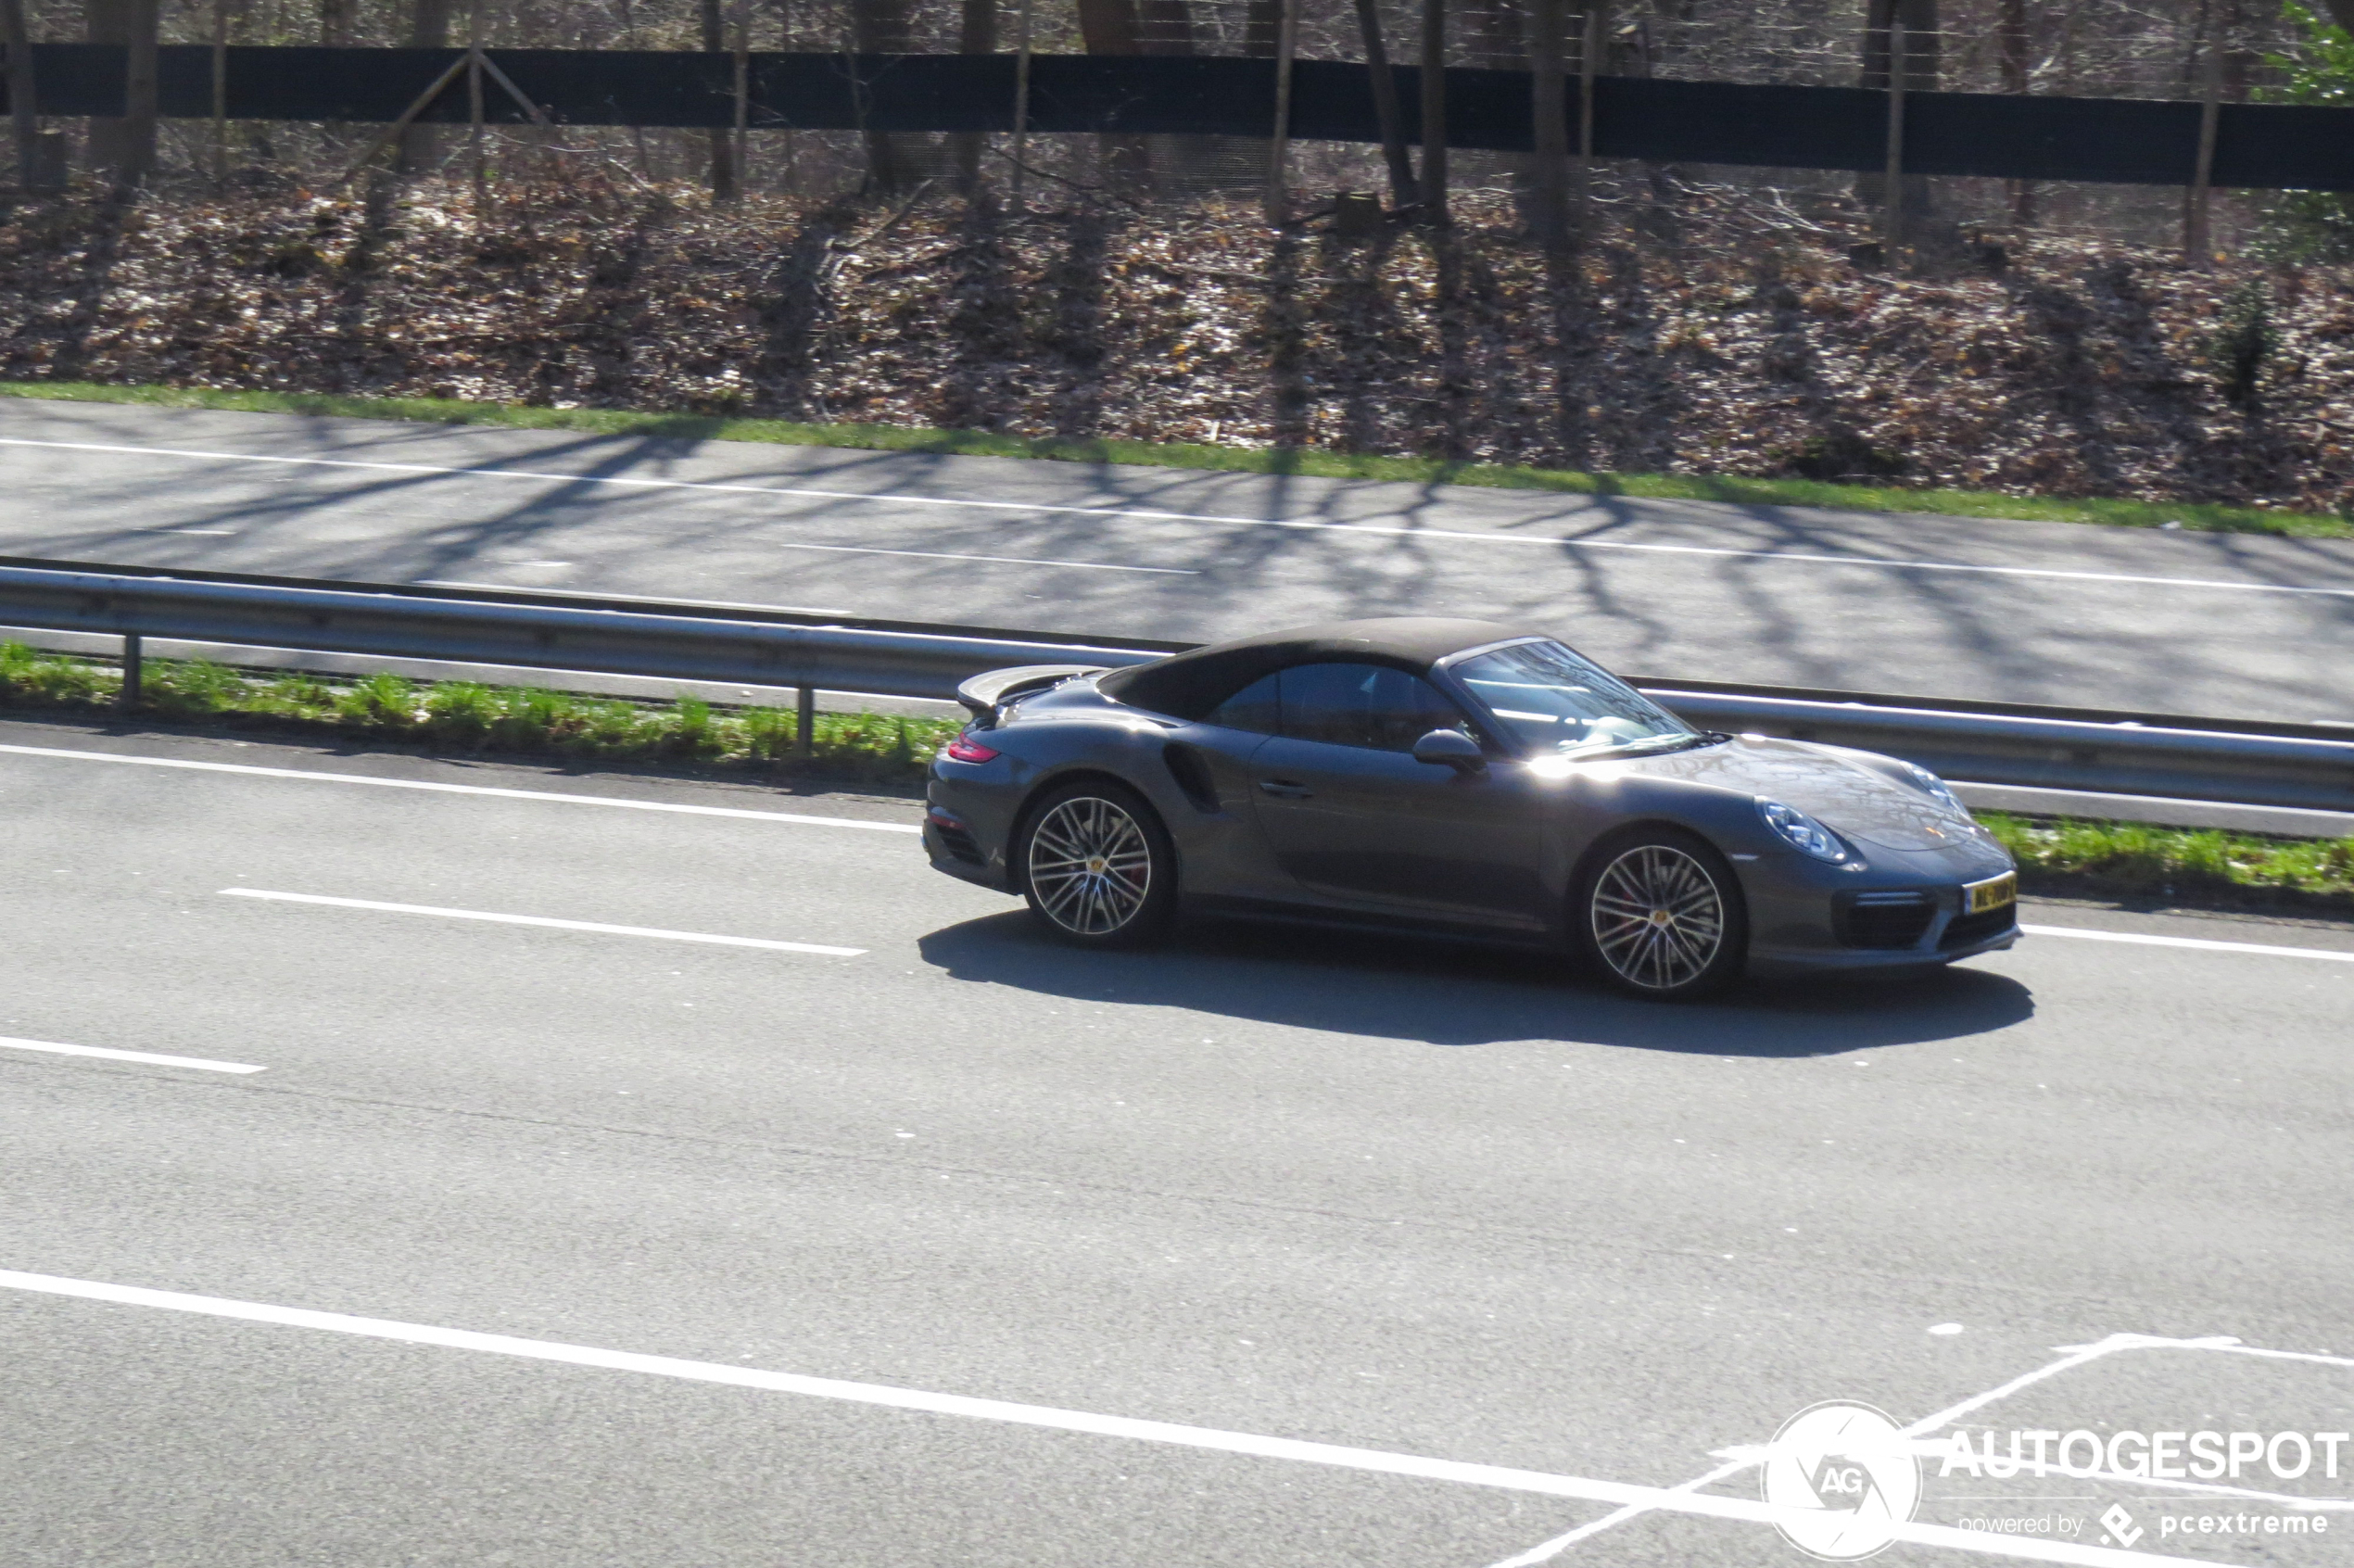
[1660, 915]
[1097, 866]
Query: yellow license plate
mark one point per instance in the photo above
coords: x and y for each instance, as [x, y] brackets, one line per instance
[1992, 894]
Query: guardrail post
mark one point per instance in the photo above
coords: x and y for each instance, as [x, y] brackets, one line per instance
[805, 727]
[128, 696]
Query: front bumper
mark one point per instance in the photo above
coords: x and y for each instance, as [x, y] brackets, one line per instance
[1900, 911]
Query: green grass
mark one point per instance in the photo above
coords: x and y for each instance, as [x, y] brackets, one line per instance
[465, 716]
[1243, 459]
[2136, 860]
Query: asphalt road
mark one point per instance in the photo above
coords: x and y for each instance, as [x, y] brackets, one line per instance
[1267, 1187]
[2186, 623]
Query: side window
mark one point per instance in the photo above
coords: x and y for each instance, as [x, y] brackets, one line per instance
[1253, 708]
[1363, 705]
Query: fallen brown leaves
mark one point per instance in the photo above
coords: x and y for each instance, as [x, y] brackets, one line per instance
[2071, 370]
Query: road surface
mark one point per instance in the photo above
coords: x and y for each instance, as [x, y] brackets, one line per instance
[575, 1237]
[2068, 615]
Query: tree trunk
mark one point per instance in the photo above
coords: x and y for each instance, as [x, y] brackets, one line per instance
[105, 21]
[976, 34]
[1924, 41]
[1549, 106]
[723, 141]
[2015, 54]
[1434, 111]
[138, 152]
[22, 120]
[1113, 27]
[429, 29]
[1402, 192]
[886, 27]
[336, 18]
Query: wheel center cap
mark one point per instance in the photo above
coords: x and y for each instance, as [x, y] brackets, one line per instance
[1660, 917]
[1096, 865]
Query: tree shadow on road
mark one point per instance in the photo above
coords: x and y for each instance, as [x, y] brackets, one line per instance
[1448, 994]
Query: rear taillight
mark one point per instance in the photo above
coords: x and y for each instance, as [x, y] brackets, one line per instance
[965, 749]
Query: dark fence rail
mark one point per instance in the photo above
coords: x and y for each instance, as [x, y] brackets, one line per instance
[2128, 141]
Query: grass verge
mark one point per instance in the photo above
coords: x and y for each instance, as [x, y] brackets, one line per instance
[2124, 860]
[2135, 861]
[2192, 516]
[467, 716]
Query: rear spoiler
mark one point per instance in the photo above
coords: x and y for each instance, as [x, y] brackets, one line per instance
[986, 694]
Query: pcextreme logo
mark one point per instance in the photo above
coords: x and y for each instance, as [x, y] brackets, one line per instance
[1843, 1477]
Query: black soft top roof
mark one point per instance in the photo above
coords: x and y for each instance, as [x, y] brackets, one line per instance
[1189, 685]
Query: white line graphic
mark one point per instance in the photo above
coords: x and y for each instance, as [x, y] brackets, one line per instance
[1749, 1456]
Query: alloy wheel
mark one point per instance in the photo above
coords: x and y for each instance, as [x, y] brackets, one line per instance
[1090, 867]
[1658, 917]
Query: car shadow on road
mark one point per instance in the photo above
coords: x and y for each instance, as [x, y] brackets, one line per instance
[1450, 994]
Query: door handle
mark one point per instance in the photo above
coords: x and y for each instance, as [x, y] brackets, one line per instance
[1285, 788]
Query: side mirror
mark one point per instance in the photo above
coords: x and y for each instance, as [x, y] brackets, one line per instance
[1451, 748]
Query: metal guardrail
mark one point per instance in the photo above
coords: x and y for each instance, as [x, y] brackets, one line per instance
[2286, 765]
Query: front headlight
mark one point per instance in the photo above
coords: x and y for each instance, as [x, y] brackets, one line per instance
[1801, 831]
[1936, 788]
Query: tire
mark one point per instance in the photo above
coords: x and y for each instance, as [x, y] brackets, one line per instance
[1659, 915]
[1096, 865]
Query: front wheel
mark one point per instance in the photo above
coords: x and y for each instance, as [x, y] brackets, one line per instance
[1660, 915]
[1097, 866]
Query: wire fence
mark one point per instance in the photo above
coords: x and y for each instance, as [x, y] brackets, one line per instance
[2157, 49]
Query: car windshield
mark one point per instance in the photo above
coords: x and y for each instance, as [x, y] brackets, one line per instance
[1552, 699]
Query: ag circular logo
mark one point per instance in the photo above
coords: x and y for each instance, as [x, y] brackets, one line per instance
[1842, 1478]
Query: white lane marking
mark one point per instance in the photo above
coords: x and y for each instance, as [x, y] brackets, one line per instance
[208, 533]
[795, 818]
[149, 1057]
[2199, 942]
[634, 597]
[1384, 530]
[1376, 1460]
[544, 920]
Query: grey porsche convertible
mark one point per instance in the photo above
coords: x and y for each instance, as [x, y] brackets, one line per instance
[1455, 778]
